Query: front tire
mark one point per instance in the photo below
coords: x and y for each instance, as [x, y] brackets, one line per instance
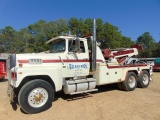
[36, 96]
[130, 83]
[143, 80]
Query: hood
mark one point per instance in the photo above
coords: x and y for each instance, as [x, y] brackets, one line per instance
[38, 58]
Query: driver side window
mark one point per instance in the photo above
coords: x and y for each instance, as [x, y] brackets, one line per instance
[72, 46]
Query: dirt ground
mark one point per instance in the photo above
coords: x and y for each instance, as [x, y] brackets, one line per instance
[108, 103]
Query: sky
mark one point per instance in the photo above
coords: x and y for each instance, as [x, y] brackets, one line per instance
[132, 17]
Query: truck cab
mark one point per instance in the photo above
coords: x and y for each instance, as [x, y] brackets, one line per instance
[72, 59]
[74, 54]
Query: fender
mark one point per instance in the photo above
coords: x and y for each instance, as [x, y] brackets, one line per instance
[53, 72]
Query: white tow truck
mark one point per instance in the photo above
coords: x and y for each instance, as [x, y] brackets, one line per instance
[73, 65]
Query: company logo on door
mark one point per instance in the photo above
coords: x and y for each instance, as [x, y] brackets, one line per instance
[76, 66]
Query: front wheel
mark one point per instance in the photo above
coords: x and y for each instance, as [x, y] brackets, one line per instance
[131, 82]
[36, 96]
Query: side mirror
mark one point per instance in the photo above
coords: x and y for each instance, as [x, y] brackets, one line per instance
[99, 44]
[77, 41]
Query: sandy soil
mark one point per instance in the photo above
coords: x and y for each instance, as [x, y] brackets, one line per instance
[108, 103]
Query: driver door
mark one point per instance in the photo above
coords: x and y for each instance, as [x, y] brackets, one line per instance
[78, 62]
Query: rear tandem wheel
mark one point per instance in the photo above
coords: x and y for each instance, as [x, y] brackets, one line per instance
[143, 80]
[130, 82]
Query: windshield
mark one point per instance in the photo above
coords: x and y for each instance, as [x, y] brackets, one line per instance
[58, 46]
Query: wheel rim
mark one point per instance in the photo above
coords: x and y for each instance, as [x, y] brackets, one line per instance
[145, 79]
[37, 97]
[132, 81]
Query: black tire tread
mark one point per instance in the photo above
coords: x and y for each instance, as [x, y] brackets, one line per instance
[140, 82]
[22, 97]
[125, 83]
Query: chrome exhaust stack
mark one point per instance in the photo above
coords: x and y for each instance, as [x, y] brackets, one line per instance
[94, 46]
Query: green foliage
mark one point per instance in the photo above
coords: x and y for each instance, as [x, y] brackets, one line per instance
[147, 41]
[111, 37]
[34, 37]
[7, 39]
[156, 51]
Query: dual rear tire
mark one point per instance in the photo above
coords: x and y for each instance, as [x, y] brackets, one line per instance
[132, 81]
[143, 80]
